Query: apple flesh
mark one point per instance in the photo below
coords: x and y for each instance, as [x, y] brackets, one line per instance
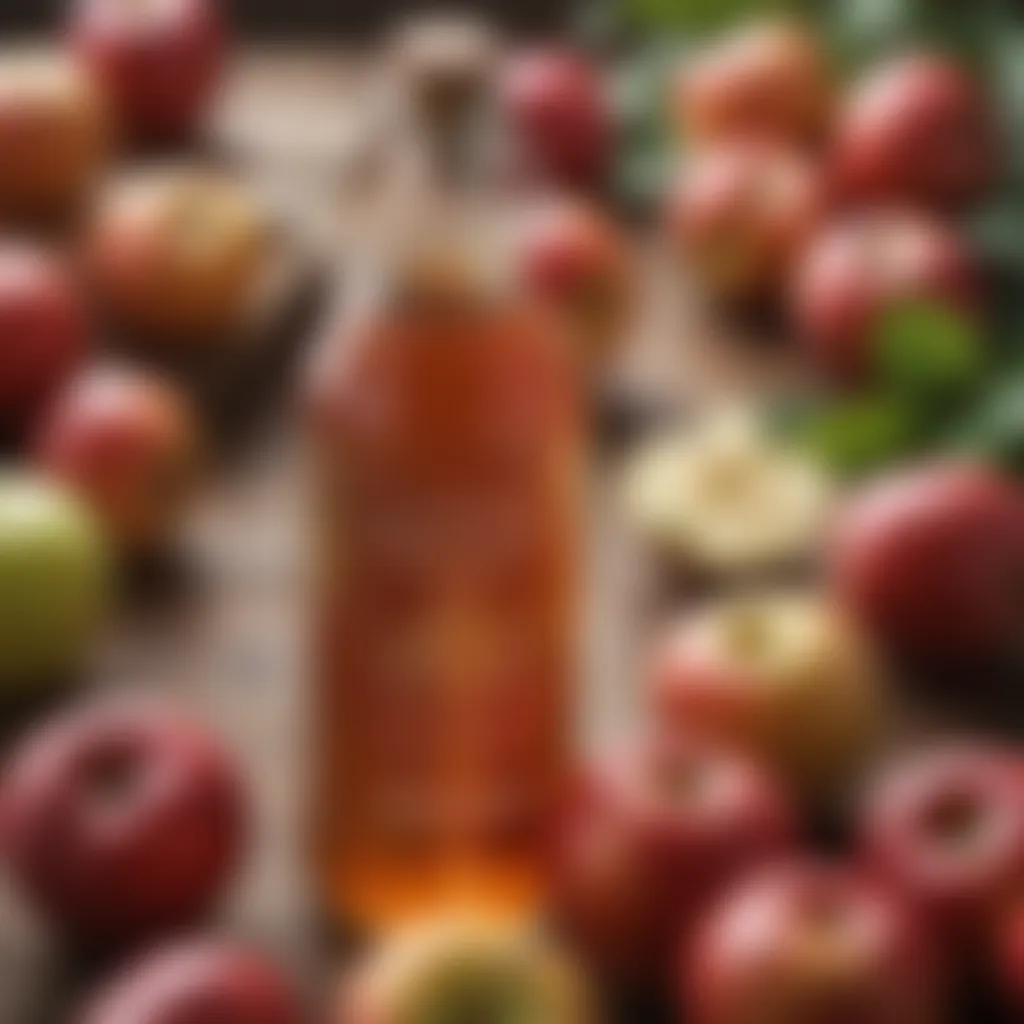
[738, 216]
[178, 256]
[574, 260]
[44, 334]
[946, 828]
[53, 139]
[785, 678]
[123, 822]
[128, 444]
[803, 943]
[54, 584]
[917, 130]
[858, 269]
[929, 559]
[769, 80]
[197, 983]
[559, 117]
[158, 61]
[645, 840]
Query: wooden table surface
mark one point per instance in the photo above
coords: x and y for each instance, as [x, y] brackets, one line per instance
[223, 634]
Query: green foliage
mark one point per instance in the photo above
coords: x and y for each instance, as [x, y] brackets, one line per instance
[698, 16]
[994, 429]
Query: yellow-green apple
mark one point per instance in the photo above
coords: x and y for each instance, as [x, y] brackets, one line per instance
[463, 968]
[645, 839]
[783, 676]
[559, 116]
[123, 821]
[128, 444]
[158, 61]
[54, 583]
[854, 271]
[178, 255]
[945, 827]
[928, 560]
[917, 129]
[196, 982]
[53, 138]
[739, 215]
[806, 943]
[769, 80]
[44, 333]
[572, 258]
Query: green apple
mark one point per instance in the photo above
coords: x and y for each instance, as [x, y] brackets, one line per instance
[54, 582]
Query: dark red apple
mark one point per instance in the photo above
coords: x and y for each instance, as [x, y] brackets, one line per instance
[769, 80]
[919, 130]
[946, 828]
[574, 259]
[786, 678]
[1011, 962]
[44, 333]
[158, 61]
[804, 943]
[197, 983]
[123, 821]
[739, 217]
[559, 116]
[930, 560]
[128, 444]
[855, 271]
[645, 840]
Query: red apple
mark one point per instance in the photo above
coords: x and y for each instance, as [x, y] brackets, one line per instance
[53, 138]
[786, 678]
[805, 943]
[1011, 964]
[946, 828]
[158, 61]
[645, 840]
[123, 821]
[739, 217]
[44, 333]
[858, 269]
[559, 116]
[928, 560]
[178, 255]
[128, 444]
[197, 983]
[573, 258]
[917, 129]
[769, 80]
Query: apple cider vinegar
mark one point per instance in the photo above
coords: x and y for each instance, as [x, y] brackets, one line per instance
[447, 458]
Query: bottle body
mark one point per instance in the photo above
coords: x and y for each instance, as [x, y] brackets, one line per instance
[447, 457]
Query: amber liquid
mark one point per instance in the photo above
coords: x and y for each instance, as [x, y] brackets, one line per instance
[447, 463]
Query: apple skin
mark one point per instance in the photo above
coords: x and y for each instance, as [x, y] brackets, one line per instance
[55, 584]
[196, 983]
[785, 678]
[158, 61]
[44, 333]
[1011, 962]
[917, 130]
[806, 943]
[927, 560]
[128, 444]
[856, 269]
[123, 822]
[646, 837]
[573, 259]
[559, 117]
[176, 256]
[739, 216]
[53, 139]
[945, 827]
[770, 80]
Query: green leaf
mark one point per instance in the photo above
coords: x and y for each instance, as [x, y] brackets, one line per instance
[695, 16]
[995, 427]
[925, 351]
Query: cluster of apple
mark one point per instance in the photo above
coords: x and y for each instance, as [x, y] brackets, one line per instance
[836, 206]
